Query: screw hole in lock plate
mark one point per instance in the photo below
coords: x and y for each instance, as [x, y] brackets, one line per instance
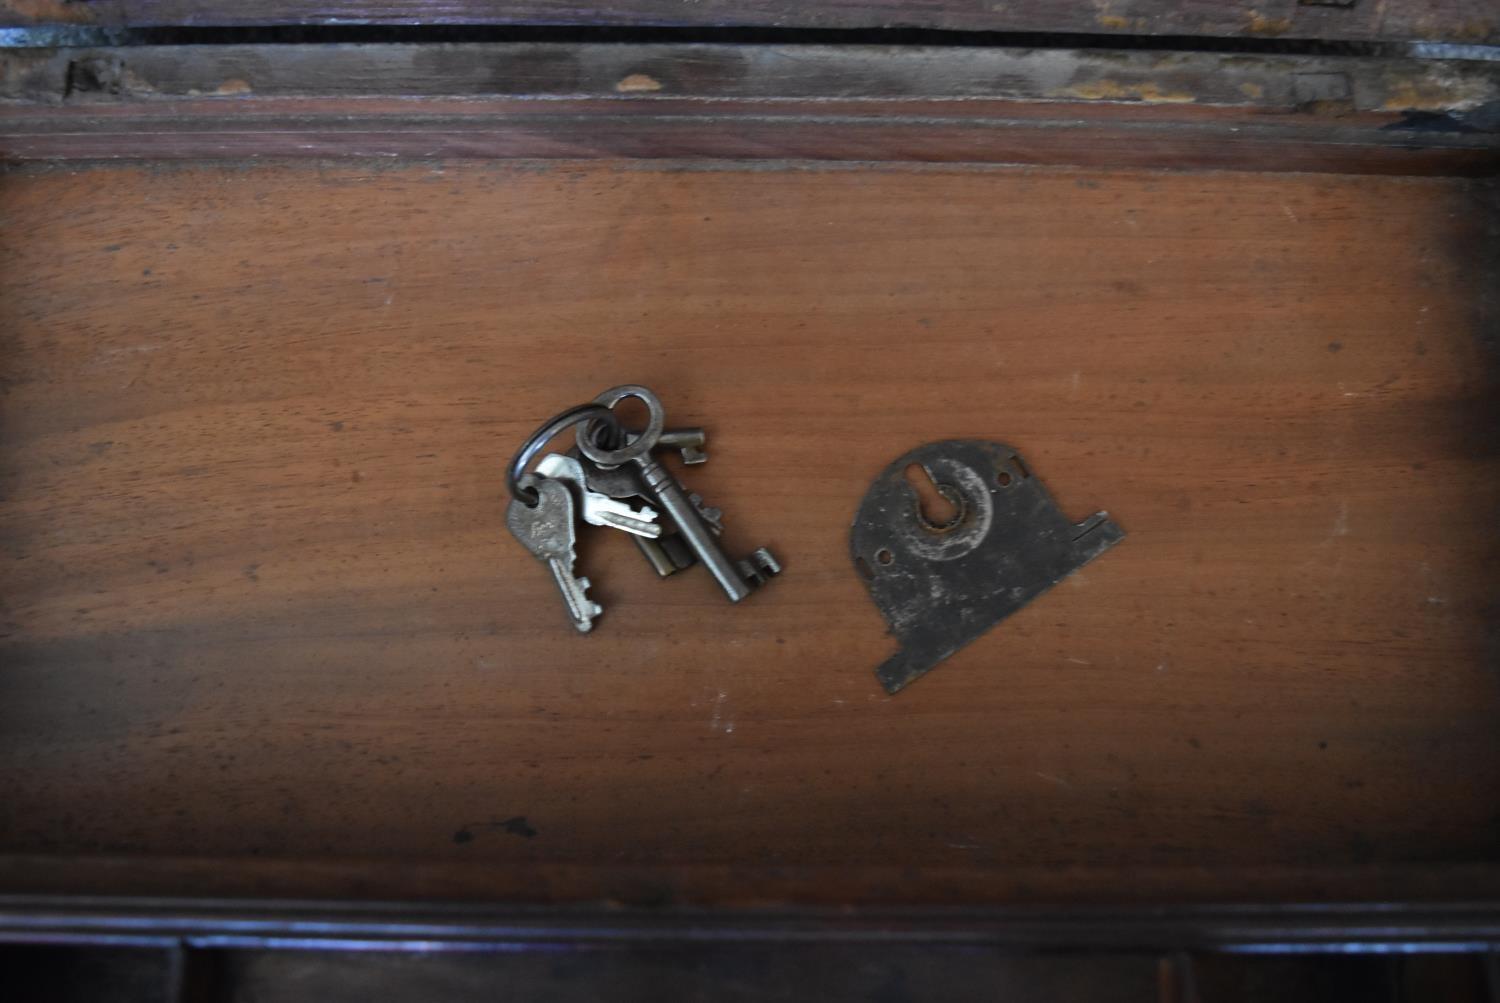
[1003, 476]
[884, 556]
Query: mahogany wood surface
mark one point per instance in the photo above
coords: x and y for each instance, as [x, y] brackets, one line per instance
[258, 604]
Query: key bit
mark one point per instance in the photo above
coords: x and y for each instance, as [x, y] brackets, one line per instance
[759, 567]
[713, 516]
[689, 443]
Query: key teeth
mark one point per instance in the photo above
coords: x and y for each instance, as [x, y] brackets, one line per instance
[693, 455]
[643, 527]
[759, 568]
[713, 516]
[590, 608]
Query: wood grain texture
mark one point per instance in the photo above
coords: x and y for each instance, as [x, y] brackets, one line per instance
[752, 133]
[258, 602]
[1471, 21]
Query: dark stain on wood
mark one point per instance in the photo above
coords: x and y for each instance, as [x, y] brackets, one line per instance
[516, 825]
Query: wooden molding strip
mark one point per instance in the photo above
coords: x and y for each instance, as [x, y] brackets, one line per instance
[1090, 108]
[70, 882]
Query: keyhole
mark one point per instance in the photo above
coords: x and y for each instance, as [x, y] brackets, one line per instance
[938, 505]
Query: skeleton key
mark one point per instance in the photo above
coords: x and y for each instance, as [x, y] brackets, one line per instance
[713, 517]
[599, 509]
[669, 496]
[667, 554]
[547, 529]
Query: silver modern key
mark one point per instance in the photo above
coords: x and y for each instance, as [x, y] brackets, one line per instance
[548, 529]
[599, 509]
[669, 496]
[625, 481]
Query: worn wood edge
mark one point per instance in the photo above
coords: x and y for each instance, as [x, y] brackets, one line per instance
[747, 887]
[1460, 924]
[168, 135]
[1411, 20]
[980, 132]
[1137, 110]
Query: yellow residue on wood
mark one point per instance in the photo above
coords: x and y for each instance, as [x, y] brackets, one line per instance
[1114, 90]
[638, 83]
[1437, 93]
[1478, 30]
[44, 11]
[1261, 25]
[233, 85]
[1484, 32]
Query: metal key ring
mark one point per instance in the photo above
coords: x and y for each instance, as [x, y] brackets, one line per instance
[641, 444]
[539, 439]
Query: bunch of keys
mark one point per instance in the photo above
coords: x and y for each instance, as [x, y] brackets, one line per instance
[598, 480]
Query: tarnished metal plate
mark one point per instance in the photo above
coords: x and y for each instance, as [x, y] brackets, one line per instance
[941, 586]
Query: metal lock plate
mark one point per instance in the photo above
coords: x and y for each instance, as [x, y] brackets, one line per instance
[941, 586]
